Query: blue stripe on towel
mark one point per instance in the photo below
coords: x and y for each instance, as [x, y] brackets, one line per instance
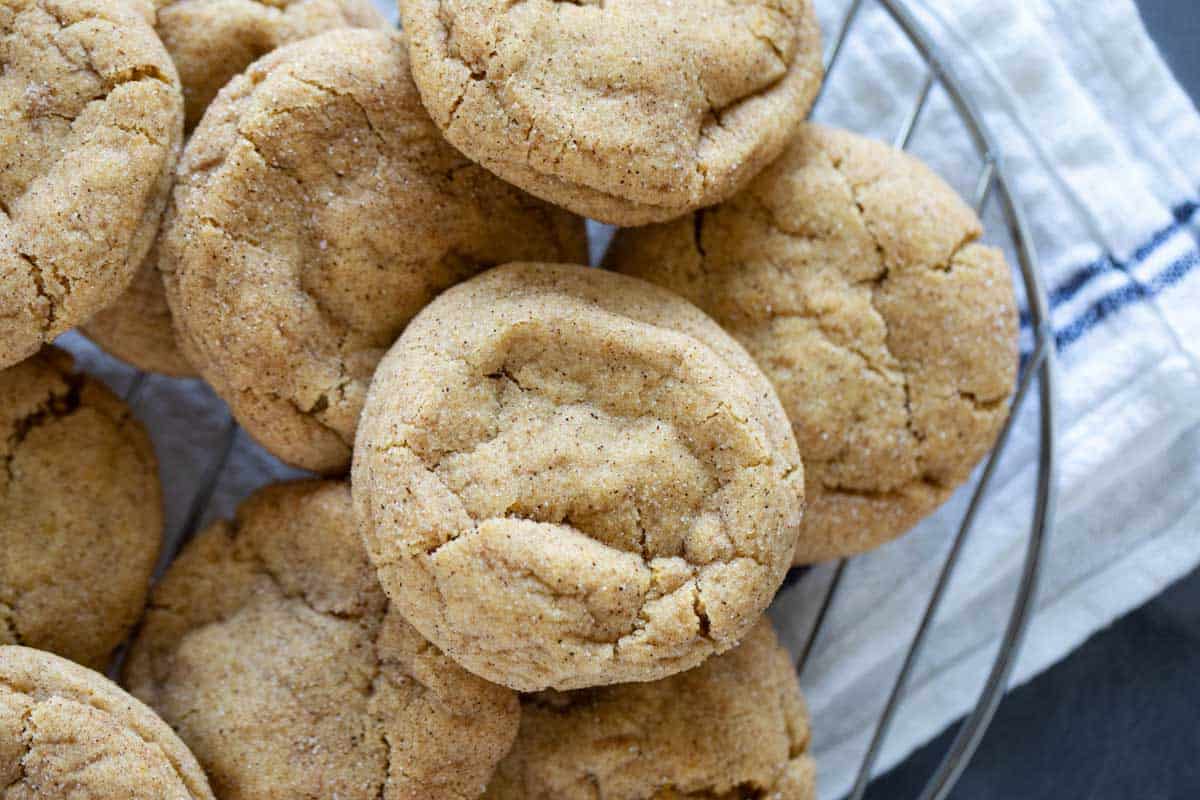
[1136, 291]
[1097, 313]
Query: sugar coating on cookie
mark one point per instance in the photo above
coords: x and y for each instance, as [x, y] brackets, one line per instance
[210, 42]
[854, 276]
[91, 118]
[567, 477]
[317, 210]
[735, 727]
[273, 652]
[66, 731]
[628, 111]
[80, 512]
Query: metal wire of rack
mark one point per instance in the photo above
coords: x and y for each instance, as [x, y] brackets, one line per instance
[992, 182]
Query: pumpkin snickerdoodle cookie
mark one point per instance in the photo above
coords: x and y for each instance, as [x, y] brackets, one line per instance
[80, 512]
[66, 731]
[567, 477]
[317, 210]
[735, 727]
[210, 42]
[273, 652]
[628, 111]
[854, 277]
[91, 118]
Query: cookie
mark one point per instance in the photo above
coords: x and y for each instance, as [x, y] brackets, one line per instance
[210, 41]
[628, 111]
[91, 118]
[273, 652]
[66, 731]
[735, 727]
[567, 478]
[317, 210]
[80, 512]
[855, 278]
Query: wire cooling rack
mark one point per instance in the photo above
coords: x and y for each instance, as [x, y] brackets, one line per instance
[993, 184]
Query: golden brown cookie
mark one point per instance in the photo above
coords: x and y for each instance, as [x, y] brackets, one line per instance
[273, 652]
[628, 111]
[80, 512]
[67, 732]
[735, 727]
[210, 42]
[317, 210]
[854, 277]
[91, 118]
[567, 478]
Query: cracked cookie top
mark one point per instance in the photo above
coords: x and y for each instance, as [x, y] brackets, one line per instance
[735, 727]
[854, 277]
[210, 42]
[628, 111]
[91, 118]
[271, 649]
[80, 512]
[567, 477]
[317, 209]
[66, 731]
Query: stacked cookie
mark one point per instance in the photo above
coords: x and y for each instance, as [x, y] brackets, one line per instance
[210, 42]
[572, 493]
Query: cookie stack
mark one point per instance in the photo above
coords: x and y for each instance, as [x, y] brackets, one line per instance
[553, 502]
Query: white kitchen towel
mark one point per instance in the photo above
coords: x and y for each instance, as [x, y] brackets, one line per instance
[1104, 150]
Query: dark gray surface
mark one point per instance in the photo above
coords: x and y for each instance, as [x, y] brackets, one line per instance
[1120, 718]
[1175, 25]
[1117, 720]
